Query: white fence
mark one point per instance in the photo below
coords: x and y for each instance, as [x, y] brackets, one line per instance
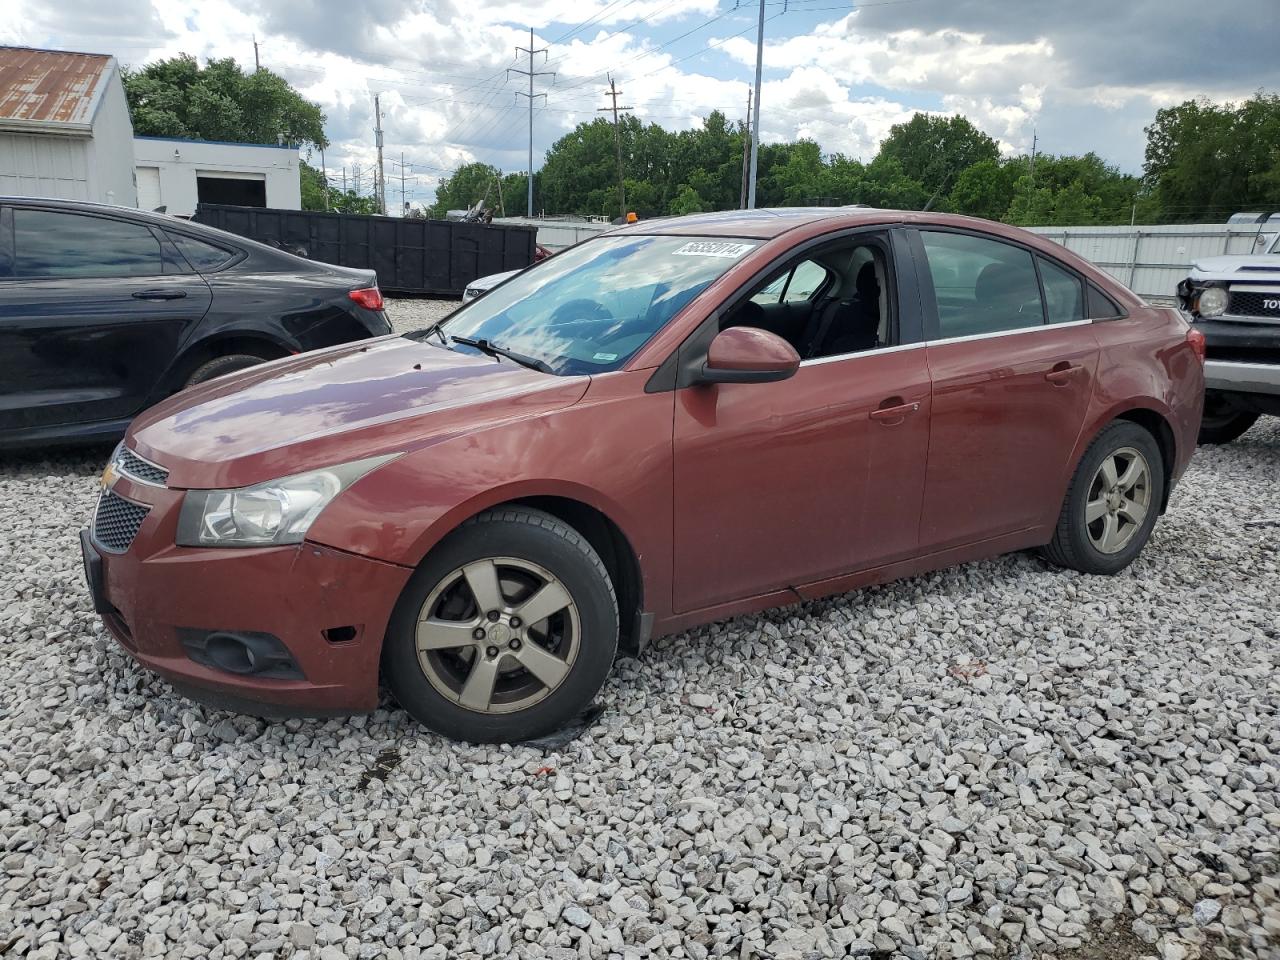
[1150, 260]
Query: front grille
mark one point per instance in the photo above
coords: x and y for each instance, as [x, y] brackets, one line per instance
[116, 522]
[144, 470]
[1254, 304]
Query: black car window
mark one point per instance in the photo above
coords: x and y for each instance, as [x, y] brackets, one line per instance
[981, 285]
[1064, 301]
[72, 245]
[1101, 306]
[202, 256]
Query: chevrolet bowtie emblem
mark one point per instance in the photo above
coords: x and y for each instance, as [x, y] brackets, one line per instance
[109, 476]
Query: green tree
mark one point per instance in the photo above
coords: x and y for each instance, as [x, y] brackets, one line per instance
[933, 151]
[338, 201]
[470, 184]
[984, 189]
[179, 98]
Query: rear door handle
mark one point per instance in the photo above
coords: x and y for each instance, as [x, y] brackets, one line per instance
[894, 413]
[1062, 373]
[158, 294]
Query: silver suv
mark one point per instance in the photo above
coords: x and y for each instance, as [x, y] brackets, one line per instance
[1235, 302]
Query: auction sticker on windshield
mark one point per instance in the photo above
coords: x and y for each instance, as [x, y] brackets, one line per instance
[714, 248]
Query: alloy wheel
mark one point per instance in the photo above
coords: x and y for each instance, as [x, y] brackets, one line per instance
[498, 635]
[1119, 500]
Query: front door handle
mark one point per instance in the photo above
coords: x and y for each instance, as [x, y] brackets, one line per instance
[158, 294]
[893, 410]
[1062, 373]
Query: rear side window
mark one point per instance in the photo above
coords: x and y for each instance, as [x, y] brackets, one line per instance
[1063, 295]
[1101, 306]
[73, 246]
[202, 256]
[981, 285]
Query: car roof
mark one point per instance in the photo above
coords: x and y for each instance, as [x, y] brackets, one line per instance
[767, 223]
[88, 206]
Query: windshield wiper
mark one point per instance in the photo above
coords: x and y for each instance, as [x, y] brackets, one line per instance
[437, 329]
[493, 350]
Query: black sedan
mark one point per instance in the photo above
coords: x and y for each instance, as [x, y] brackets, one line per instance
[107, 310]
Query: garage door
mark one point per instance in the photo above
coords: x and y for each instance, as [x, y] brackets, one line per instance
[148, 188]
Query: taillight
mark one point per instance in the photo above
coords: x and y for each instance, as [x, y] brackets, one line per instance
[1196, 339]
[369, 297]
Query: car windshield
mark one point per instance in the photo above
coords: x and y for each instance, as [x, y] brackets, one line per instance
[590, 308]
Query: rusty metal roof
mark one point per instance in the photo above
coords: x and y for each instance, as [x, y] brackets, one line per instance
[51, 87]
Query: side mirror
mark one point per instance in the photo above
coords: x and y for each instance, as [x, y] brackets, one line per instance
[748, 355]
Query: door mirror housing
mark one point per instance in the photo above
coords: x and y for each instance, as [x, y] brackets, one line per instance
[748, 355]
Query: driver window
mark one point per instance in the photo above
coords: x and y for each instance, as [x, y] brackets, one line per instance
[831, 304]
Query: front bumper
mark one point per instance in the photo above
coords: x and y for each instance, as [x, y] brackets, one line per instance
[328, 607]
[1242, 377]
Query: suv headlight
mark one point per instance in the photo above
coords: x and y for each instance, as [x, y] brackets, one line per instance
[268, 514]
[1212, 302]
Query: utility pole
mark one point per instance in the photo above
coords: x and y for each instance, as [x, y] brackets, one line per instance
[379, 176]
[256, 64]
[1032, 171]
[531, 73]
[746, 152]
[324, 175]
[617, 143]
[344, 179]
[755, 117]
[403, 167]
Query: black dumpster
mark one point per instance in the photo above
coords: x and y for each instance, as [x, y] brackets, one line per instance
[412, 257]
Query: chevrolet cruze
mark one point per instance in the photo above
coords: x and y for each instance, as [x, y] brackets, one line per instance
[672, 423]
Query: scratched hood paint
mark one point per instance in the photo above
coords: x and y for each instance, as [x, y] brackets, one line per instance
[332, 406]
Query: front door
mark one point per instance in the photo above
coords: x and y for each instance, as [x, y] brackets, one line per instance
[1013, 363]
[92, 311]
[783, 484]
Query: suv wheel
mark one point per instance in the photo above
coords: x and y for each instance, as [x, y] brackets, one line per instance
[1112, 502]
[506, 631]
[219, 366]
[1223, 421]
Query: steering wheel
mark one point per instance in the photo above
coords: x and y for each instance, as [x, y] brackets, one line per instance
[580, 309]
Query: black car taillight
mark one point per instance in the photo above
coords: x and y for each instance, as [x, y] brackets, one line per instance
[368, 297]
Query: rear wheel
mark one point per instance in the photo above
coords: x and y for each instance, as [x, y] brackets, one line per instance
[506, 631]
[220, 366]
[1223, 421]
[1112, 503]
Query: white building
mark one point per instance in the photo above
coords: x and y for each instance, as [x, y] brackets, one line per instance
[64, 127]
[178, 174]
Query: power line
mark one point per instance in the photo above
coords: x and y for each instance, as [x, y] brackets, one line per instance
[590, 20]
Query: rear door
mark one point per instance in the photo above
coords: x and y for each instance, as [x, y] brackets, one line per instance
[1013, 363]
[92, 309]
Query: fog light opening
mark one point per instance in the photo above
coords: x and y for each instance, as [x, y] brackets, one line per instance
[231, 653]
[340, 634]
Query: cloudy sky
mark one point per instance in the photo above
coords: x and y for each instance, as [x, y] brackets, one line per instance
[1086, 75]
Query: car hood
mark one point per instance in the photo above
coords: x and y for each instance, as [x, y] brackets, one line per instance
[331, 406]
[1242, 268]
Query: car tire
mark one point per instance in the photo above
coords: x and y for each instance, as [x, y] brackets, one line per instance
[1099, 530]
[220, 366]
[471, 679]
[1223, 421]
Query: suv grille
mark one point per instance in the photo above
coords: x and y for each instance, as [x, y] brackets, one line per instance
[116, 522]
[1254, 304]
[144, 470]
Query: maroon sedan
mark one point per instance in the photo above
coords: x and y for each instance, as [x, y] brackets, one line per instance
[673, 423]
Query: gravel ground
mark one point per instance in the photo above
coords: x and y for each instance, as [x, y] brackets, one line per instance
[996, 760]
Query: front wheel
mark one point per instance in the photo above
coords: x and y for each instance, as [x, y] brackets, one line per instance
[1112, 502]
[1223, 421]
[506, 632]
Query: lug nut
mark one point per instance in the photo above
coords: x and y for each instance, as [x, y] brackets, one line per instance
[493, 616]
[515, 621]
[514, 644]
[478, 633]
[491, 652]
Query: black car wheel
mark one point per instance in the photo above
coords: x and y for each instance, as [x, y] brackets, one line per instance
[1223, 421]
[1112, 503]
[506, 632]
[219, 366]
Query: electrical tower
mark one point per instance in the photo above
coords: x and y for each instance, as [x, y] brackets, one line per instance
[403, 168]
[617, 143]
[531, 73]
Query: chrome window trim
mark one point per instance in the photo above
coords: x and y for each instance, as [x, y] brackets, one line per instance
[1040, 327]
[875, 352]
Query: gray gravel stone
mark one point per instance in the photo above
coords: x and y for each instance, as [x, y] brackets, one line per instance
[997, 760]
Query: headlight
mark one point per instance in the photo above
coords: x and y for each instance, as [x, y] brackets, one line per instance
[1212, 302]
[269, 514]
